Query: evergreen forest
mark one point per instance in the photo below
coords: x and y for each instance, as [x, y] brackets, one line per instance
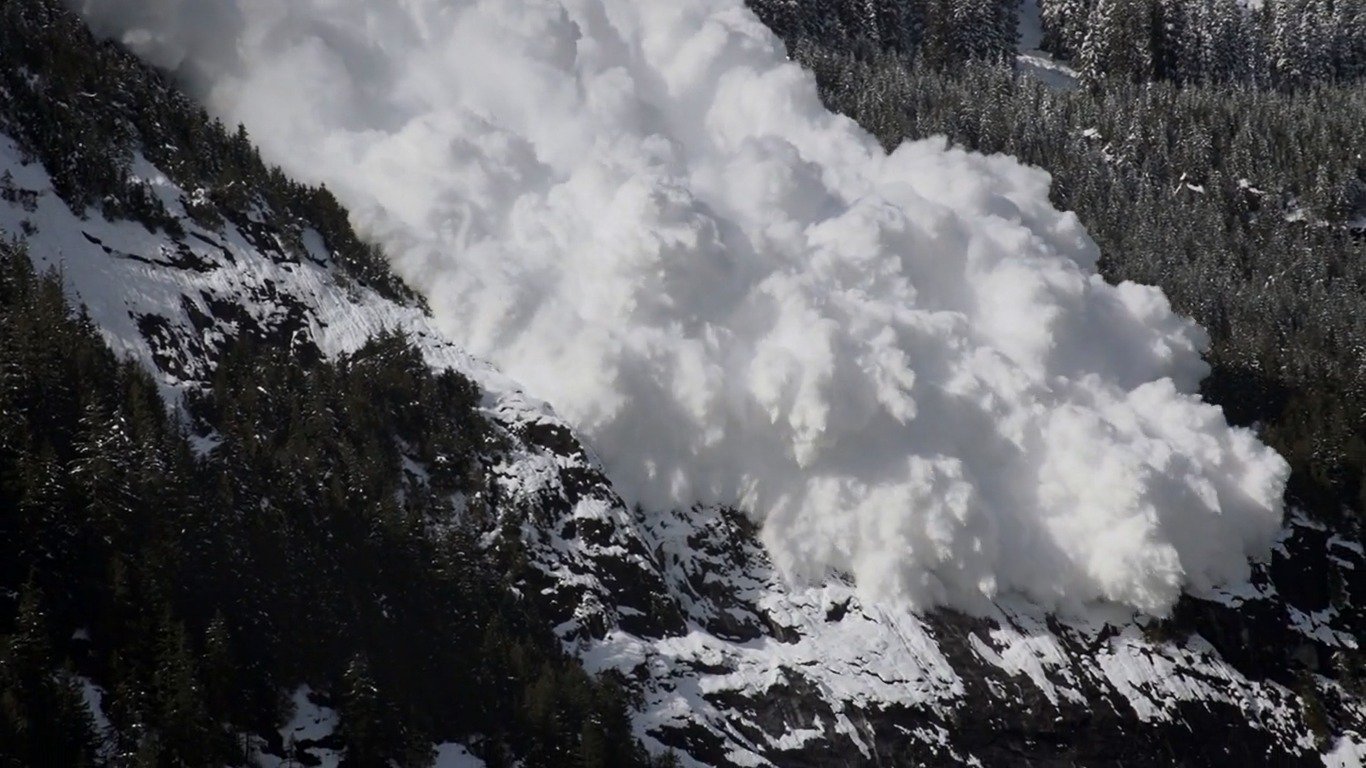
[197, 589]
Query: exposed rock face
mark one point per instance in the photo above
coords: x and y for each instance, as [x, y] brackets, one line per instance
[734, 666]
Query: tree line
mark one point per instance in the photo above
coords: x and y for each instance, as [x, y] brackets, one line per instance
[940, 32]
[1283, 44]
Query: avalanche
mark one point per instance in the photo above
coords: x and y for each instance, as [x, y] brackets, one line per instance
[903, 365]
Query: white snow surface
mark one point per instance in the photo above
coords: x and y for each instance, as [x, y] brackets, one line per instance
[904, 365]
[1349, 751]
[452, 755]
[1047, 70]
[1032, 60]
[93, 697]
[112, 269]
[863, 657]
[309, 723]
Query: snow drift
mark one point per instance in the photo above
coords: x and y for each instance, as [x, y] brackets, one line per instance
[904, 365]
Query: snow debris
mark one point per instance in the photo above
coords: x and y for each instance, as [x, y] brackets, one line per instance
[904, 366]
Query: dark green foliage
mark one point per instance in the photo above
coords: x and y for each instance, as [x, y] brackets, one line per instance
[85, 108]
[43, 719]
[940, 32]
[298, 550]
[1282, 43]
[1286, 44]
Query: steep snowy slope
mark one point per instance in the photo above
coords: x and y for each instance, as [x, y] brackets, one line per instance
[733, 664]
[736, 667]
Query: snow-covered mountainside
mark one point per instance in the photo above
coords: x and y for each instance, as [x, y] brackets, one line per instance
[735, 667]
[731, 663]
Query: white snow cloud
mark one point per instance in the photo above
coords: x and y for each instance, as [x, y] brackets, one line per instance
[903, 365]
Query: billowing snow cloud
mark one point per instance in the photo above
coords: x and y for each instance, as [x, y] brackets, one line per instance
[903, 365]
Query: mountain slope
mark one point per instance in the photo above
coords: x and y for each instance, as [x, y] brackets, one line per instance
[179, 266]
[316, 496]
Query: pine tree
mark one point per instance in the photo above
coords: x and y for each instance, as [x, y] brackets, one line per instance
[938, 45]
[221, 681]
[179, 710]
[593, 749]
[1225, 54]
[1118, 44]
[1289, 41]
[363, 721]
[43, 719]
[1173, 58]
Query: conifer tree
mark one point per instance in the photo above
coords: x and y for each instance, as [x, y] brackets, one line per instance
[179, 709]
[43, 719]
[362, 716]
[1118, 42]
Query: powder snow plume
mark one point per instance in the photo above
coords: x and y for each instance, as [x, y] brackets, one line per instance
[903, 365]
